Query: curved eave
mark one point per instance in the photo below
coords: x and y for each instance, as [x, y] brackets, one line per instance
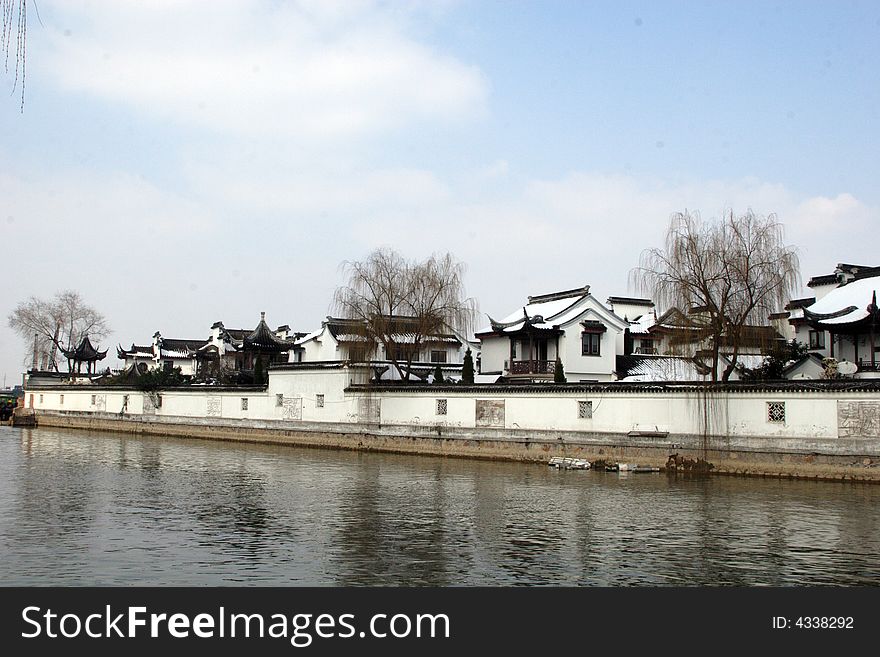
[860, 326]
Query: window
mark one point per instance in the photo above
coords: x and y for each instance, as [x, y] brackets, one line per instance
[279, 400]
[776, 412]
[93, 400]
[438, 356]
[590, 344]
[244, 403]
[41, 399]
[158, 401]
[585, 410]
[357, 354]
[817, 339]
[442, 406]
[319, 401]
[62, 399]
[647, 346]
[512, 349]
[168, 365]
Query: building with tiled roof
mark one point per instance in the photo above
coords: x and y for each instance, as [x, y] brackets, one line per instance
[571, 325]
[344, 340]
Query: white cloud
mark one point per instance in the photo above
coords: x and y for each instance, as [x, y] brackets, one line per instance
[310, 70]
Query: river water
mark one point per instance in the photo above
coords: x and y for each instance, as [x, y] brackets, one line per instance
[79, 508]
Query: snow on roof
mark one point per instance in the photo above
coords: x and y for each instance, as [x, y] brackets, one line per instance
[856, 293]
[749, 361]
[309, 336]
[553, 313]
[642, 323]
[176, 353]
[664, 368]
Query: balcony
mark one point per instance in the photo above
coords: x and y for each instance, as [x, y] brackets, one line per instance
[532, 367]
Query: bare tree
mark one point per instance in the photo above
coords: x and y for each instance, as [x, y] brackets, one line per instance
[60, 323]
[402, 305]
[725, 276]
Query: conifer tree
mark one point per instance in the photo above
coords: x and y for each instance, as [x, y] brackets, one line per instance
[559, 372]
[467, 369]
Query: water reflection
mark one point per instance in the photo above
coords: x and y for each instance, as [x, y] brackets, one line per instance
[81, 508]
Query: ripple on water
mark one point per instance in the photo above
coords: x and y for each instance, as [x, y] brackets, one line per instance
[82, 509]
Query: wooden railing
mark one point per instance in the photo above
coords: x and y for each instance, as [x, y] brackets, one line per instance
[533, 367]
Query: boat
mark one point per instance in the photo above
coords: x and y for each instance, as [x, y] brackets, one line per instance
[568, 463]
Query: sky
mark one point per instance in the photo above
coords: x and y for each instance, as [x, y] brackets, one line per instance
[180, 163]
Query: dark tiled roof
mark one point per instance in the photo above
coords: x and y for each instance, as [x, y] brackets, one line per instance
[630, 301]
[84, 352]
[592, 325]
[134, 349]
[565, 294]
[398, 326]
[181, 345]
[867, 272]
[800, 303]
[263, 338]
[660, 387]
[827, 279]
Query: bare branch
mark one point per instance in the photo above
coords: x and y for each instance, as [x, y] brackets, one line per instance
[59, 323]
[402, 304]
[726, 277]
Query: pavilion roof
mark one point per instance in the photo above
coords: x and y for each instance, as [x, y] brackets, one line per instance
[84, 352]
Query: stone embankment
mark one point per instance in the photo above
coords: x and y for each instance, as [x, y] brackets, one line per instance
[535, 447]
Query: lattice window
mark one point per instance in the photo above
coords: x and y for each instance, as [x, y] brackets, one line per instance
[62, 399]
[776, 412]
[279, 400]
[442, 406]
[93, 400]
[585, 409]
[319, 401]
[244, 403]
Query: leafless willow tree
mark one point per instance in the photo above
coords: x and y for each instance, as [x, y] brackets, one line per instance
[13, 39]
[59, 323]
[733, 272]
[402, 304]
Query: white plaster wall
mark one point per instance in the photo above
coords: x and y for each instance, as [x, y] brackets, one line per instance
[422, 411]
[322, 348]
[808, 414]
[494, 351]
[629, 311]
[598, 368]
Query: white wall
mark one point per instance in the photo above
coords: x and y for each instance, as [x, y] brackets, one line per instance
[808, 414]
[493, 353]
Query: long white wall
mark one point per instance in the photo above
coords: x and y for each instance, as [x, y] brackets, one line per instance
[320, 396]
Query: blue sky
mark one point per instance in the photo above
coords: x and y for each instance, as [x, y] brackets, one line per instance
[181, 163]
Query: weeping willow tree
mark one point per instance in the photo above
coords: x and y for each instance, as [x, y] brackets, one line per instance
[13, 41]
[726, 277]
[403, 305]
